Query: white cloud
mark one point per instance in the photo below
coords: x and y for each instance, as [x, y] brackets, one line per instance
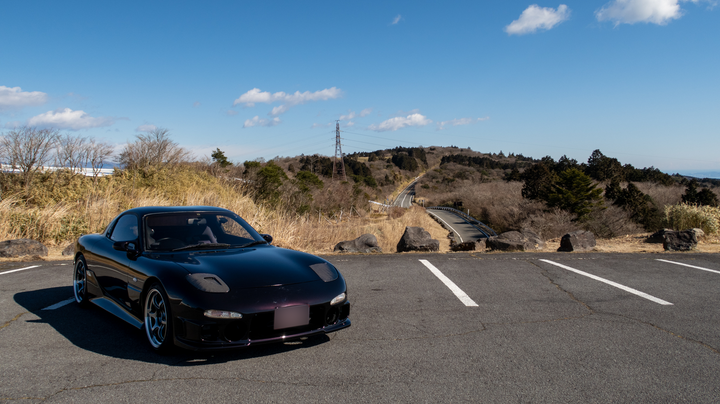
[347, 117]
[14, 97]
[349, 124]
[196, 104]
[458, 122]
[399, 122]
[231, 112]
[650, 11]
[321, 125]
[396, 19]
[352, 114]
[279, 110]
[145, 128]
[403, 113]
[257, 121]
[66, 118]
[254, 96]
[536, 17]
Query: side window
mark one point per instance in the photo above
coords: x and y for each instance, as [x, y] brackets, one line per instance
[233, 228]
[126, 229]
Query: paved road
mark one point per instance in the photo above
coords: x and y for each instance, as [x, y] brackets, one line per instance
[463, 230]
[404, 199]
[509, 328]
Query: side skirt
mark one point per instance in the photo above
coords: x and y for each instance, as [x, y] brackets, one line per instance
[114, 308]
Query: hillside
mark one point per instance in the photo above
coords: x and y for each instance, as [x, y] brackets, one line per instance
[307, 206]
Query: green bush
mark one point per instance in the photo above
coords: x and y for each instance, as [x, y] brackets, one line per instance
[686, 216]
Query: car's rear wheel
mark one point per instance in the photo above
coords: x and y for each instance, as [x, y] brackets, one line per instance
[158, 321]
[80, 281]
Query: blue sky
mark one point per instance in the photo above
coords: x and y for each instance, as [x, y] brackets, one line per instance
[637, 79]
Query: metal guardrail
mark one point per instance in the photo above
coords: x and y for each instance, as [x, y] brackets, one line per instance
[482, 227]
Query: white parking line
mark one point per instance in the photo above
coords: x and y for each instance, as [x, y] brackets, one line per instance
[611, 283]
[19, 269]
[690, 266]
[467, 301]
[60, 304]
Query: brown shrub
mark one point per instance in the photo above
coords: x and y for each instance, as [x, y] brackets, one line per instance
[611, 222]
[395, 212]
[553, 224]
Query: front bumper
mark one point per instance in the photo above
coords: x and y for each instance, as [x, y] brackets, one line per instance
[256, 329]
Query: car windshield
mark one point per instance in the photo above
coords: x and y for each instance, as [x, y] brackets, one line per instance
[197, 230]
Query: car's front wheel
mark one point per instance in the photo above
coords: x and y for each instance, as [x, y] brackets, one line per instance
[158, 321]
[80, 281]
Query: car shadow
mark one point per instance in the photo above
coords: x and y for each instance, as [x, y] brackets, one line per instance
[98, 331]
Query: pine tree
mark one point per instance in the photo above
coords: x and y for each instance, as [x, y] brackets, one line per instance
[575, 192]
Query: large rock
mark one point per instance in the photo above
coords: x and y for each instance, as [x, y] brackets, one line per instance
[685, 240]
[367, 243]
[516, 241]
[657, 237]
[417, 239]
[69, 250]
[699, 233]
[22, 247]
[579, 240]
[477, 245]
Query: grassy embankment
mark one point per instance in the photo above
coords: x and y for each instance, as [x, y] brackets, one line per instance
[57, 208]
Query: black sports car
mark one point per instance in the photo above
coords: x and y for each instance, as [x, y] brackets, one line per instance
[202, 278]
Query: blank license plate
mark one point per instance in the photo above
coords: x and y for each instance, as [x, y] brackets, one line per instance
[292, 316]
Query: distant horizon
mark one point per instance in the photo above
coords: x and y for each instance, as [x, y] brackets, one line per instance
[696, 173]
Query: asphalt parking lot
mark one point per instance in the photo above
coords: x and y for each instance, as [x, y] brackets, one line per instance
[426, 328]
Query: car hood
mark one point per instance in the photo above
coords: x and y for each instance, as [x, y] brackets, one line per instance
[259, 267]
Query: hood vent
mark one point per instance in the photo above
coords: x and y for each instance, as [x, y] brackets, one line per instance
[325, 271]
[208, 283]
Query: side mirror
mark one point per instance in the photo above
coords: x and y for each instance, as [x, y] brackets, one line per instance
[267, 238]
[129, 246]
[120, 245]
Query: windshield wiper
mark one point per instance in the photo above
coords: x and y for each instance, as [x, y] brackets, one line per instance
[205, 246]
[256, 242]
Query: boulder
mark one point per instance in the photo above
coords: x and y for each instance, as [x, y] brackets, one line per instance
[699, 233]
[477, 245]
[516, 241]
[579, 240]
[684, 240]
[22, 247]
[417, 239]
[69, 250]
[367, 243]
[657, 237]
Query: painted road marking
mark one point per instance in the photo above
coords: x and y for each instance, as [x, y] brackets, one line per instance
[611, 283]
[60, 304]
[467, 301]
[19, 269]
[690, 266]
[447, 224]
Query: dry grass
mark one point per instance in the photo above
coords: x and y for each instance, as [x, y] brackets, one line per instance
[78, 205]
[320, 235]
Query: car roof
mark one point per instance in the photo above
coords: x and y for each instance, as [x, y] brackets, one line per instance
[146, 210]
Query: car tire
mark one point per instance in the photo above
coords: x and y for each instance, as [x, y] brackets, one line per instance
[80, 283]
[157, 319]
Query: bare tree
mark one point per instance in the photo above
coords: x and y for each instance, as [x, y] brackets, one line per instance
[72, 152]
[152, 149]
[28, 149]
[97, 153]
